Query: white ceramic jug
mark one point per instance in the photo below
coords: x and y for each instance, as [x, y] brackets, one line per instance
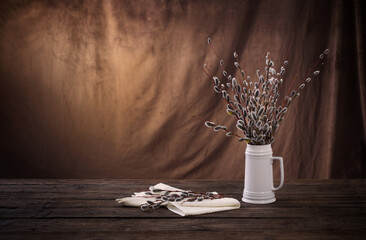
[258, 183]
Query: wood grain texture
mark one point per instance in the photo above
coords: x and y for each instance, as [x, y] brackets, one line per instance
[86, 209]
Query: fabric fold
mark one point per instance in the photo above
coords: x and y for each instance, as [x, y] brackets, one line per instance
[182, 208]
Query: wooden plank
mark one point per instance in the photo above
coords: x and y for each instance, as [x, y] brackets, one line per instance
[189, 235]
[177, 224]
[291, 213]
[107, 203]
[186, 182]
[305, 192]
[112, 196]
[130, 189]
[304, 186]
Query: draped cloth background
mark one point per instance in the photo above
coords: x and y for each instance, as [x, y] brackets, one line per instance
[107, 89]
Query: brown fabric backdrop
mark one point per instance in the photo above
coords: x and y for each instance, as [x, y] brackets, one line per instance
[106, 89]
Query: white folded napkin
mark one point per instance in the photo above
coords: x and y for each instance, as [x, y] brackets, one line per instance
[183, 208]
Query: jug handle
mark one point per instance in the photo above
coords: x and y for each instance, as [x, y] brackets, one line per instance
[282, 173]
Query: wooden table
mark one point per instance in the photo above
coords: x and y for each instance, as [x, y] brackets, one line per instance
[86, 209]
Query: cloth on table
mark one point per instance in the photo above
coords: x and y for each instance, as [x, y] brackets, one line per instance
[183, 208]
